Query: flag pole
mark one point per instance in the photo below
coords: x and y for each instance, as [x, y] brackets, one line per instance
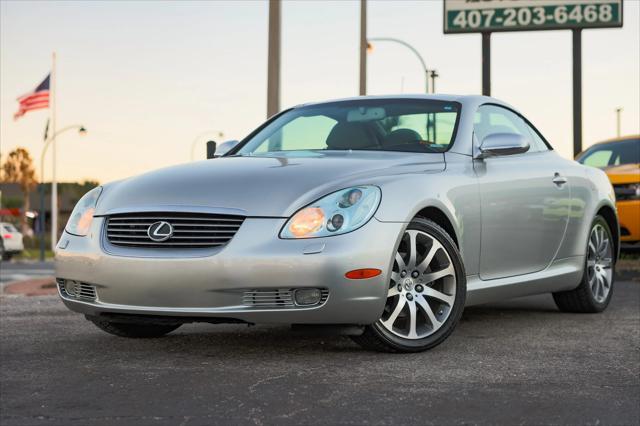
[43, 211]
[54, 182]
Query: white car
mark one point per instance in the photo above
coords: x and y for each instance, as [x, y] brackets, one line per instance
[10, 241]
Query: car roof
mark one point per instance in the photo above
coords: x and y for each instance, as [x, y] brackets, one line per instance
[606, 142]
[617, 139]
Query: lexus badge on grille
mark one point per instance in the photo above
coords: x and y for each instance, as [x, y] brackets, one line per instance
[160, 231]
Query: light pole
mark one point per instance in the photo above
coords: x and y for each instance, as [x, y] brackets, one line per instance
[273, 58]
[200, 136]
[434, 75]
[54, 231]
[362, 90]
[414, 51]
[618, 112]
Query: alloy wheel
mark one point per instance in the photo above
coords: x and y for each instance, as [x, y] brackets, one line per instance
[599, 262]
[422, 289]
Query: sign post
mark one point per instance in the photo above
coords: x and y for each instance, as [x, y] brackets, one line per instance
[487, 16]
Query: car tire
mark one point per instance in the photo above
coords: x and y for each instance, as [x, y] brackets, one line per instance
[420, 296]
[131, 330]
[596, 288]
[3, 254]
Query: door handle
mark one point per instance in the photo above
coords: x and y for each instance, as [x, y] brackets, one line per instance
[559, 180]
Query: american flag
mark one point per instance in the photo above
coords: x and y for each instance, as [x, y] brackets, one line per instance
[38, 99]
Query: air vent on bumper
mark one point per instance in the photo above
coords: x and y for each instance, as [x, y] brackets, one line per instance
[76, 289]
[280, 298]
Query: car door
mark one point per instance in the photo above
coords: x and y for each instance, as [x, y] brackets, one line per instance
[524, 199]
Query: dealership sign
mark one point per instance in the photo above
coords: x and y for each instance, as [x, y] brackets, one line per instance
[469, 16]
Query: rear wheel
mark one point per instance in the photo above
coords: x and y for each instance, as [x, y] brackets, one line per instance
[595, 290]
[426, 293]
[124, 329]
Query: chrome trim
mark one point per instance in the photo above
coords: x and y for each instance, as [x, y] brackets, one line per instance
[174, 209]
[278, 298]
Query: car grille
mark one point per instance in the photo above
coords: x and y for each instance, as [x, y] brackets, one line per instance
[190, 230]
[275, 298]
[625, 192]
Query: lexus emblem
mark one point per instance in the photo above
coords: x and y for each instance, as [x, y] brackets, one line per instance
[160, 231]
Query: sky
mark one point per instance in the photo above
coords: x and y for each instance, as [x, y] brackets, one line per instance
[149, 79]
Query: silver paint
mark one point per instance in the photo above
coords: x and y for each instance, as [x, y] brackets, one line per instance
[522, 223]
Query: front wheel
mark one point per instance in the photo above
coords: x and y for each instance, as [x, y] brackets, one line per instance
[426, 294]
[125, 329]
[3, 254]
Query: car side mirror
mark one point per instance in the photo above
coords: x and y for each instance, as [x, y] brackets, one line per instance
[211, 149]
[498, 144]
[225, 147]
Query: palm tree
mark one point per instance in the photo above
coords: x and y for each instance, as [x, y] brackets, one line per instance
[18, 168]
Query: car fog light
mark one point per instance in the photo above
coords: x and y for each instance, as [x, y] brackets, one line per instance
[307, 296]
[72, 288]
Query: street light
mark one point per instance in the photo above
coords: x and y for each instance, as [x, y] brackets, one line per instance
[200, 136]
[434, 75]
[54, 205]
[618, 112]
[411, 48]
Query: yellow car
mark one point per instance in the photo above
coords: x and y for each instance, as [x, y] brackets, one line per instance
[620, 159]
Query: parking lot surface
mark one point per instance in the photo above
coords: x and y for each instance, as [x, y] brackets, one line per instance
[517, 362]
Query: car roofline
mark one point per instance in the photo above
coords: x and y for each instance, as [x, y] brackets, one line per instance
[617, 139]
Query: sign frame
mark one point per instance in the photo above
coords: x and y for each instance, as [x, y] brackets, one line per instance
[518, 28]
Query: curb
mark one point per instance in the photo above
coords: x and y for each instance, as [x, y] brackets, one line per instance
[38, 287]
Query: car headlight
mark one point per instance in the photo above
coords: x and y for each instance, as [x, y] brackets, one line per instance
[337, 213]
[627, 192]
[82, 214]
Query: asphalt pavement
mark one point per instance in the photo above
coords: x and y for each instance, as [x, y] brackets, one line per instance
[517, 362]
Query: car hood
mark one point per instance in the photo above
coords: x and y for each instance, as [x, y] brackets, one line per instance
[273, 186]
[625, 173]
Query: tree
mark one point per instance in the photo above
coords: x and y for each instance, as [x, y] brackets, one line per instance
[18, 168]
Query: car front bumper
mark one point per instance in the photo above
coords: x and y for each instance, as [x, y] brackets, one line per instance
[629, 217]
[215, 284]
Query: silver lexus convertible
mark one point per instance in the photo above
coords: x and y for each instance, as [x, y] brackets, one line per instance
[376, 217]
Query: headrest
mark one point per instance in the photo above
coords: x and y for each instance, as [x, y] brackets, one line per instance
[401, 137]
[349, 136]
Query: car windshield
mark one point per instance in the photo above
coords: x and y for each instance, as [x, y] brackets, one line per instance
[10, 228]
[410, 125]
[612, 154]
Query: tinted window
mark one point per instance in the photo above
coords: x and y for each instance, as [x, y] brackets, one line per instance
[491, 119]
[612, 154]
[10, 228]
[411, 125]
[301, 133]
[538, 143]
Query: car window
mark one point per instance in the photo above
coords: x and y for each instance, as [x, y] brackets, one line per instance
[302, 133]
[598, 158]
[492, 119]
[612, 154]
[538, 142]
[430, 127]
[9, 228]
[409, 125]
